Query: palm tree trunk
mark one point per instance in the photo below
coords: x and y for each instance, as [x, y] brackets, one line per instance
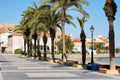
[24, 53]
[52, 49]
[38, 52]
[45, 55]
[111, 45]
[45, 41]
[35, 38]
[83, 37]
[28, 47]
[34, 49]
[52, 35]
[63, 35]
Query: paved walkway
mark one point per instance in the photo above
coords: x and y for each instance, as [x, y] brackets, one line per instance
[15, 67]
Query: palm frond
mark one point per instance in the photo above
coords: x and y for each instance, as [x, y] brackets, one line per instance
[68, 21]
[55, 6]
[82, 21]
[83, 2]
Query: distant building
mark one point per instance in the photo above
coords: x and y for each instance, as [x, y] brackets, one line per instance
[77, 44]
[97, 39]
[5, 31]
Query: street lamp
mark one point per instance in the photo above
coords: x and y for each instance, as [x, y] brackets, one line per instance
[92, 30]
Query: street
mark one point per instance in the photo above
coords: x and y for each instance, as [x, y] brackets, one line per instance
[17, 67]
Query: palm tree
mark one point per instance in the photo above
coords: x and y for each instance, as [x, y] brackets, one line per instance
[26, 33]
[51, 21]
[83, 38]
[63, 5]
[54, 24]
[45, 24]
[27, 21]
[110, 9]
[35, 20]
[38, 25]
[34, 23]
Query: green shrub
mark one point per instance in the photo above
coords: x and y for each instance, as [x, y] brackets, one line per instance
[18, 51]
[48, 52]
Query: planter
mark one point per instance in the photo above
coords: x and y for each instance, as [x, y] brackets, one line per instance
[68, 64]
[50, 61]
[60, 62]
[93, 67]
[56, 61]
[79, 66]
[107, 71]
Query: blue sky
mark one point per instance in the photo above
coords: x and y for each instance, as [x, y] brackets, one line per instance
[11, 10]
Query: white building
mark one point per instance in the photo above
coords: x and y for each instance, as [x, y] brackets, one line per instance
[5, 31]
[4, 41]
[16, 41]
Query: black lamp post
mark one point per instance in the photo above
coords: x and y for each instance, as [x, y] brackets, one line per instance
[92, 30]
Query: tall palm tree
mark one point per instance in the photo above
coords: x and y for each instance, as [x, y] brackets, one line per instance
[63, 5]
[27, 21]
[38, 25]
[34, 10]
[34, 24]
[110, 9]
[26, 32]
[51, 21]
[44, 23]
[83, 38]
[54, 24]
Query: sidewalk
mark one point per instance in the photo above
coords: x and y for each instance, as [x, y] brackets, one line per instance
[15, 67]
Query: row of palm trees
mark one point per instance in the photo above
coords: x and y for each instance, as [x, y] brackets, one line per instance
[62, 6]
[47, 18]
[52, 14]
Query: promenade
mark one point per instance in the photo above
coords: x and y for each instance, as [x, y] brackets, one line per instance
[16, 67]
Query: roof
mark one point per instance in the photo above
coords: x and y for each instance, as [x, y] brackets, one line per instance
[75, 40]
[91, 42]
[104, 40]
[15, 34]
[6, 27]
